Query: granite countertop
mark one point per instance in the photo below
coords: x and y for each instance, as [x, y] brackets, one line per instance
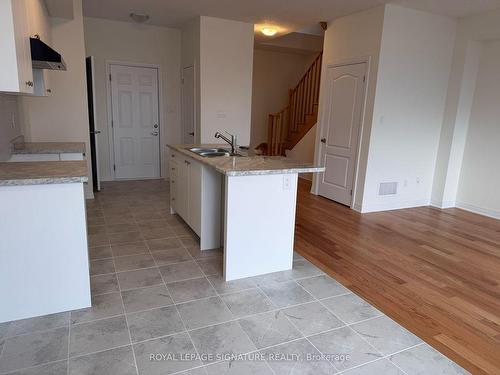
[48, 148]
[43, 172]
[249, 163]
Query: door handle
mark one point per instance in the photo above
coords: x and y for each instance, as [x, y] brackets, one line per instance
[323, 140]
[95, 132]
[155, 134]
[191, 133]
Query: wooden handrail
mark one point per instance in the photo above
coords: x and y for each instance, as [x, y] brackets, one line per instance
[292, 120]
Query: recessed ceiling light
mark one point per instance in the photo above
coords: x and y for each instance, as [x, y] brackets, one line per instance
[269, 31]
[139, 17]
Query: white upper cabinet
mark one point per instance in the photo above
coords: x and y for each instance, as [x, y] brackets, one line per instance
[16, 74]
[39, 26]
[20, 20]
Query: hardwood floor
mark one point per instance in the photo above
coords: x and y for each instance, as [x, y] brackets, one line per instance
[436, 272]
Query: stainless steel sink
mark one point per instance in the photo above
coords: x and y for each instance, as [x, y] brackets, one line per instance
[211, 152]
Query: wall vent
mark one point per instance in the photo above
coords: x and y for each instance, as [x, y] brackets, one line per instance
[388, 188]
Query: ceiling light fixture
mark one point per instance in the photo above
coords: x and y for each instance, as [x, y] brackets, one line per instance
[139, 17]
[269, 31]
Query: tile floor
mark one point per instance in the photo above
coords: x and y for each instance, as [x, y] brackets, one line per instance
[160, 306]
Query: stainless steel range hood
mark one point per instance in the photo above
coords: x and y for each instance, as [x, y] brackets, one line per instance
[44, 57]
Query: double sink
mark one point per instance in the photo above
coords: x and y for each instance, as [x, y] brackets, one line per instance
[212, 152]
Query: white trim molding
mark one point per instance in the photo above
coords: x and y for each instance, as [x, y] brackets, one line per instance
[389, 206]
[443, 204]
[478, 210]
[109, 112]
[355, 205]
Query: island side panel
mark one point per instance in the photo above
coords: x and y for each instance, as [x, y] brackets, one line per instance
[259, 224]
[44, 265]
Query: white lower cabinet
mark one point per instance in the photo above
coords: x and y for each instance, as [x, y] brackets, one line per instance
[173, 185]
[195, 195]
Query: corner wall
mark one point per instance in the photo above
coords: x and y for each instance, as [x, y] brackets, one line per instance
[226, 61]
[63, 116]
[414, 70]
[478, 188]
[350, 38]
[455, 184]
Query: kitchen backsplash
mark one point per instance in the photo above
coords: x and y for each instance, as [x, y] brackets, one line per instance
[10, 126]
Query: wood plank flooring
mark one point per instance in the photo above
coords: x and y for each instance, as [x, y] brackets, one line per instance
[436, 272]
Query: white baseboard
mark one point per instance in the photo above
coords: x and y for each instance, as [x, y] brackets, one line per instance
[443, 204]
[357, 207]
[478, 210]
[388, 206]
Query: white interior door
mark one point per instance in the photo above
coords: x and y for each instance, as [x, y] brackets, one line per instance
[134, 98]
[340, 130]
[188, 105]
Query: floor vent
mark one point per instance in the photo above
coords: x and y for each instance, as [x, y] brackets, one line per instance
[388, 188]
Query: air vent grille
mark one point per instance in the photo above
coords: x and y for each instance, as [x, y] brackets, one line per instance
[388, 188]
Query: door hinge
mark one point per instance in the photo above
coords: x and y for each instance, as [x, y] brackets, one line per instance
[364, 78]
[351, 191]
[109, 77]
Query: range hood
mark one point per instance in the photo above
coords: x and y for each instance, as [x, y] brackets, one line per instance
[44, 57]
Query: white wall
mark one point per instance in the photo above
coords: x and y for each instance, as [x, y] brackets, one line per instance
[349, 38]
[472, 33]
[226, 59]
[274, 74]
[64, 115]
[480, 177]
[124, 41]
[190, 56]
[10, 126]
[414, 70]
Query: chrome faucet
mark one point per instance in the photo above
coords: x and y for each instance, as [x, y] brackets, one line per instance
[232, 142]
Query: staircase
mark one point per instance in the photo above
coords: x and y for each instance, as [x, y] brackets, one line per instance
[288, 126]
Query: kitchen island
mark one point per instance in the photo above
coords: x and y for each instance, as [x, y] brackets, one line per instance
[44, 265]
[245, 203]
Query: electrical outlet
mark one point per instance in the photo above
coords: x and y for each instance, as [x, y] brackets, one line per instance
[286, 182]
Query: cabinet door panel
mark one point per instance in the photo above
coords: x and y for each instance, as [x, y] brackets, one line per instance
[182, 189]
[194, 198]
[173, 183]
[23, 49]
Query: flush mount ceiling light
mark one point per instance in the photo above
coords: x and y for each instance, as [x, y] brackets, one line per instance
[269, 30]
[139, 17]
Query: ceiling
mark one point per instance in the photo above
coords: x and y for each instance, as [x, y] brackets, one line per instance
[290, 15]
